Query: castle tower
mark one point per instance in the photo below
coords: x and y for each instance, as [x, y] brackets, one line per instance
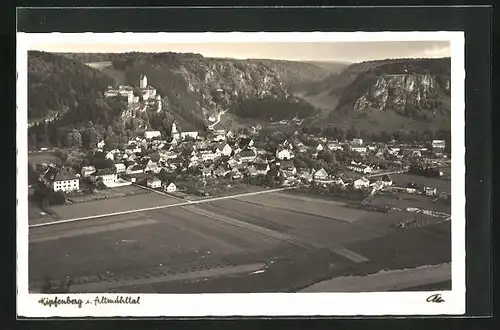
[143, 81]
[158, 100]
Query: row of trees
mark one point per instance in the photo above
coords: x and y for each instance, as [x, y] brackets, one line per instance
[400, 135]
[271, 108]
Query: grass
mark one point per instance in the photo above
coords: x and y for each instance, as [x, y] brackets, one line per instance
[43, 157]
[314, 206]
[119, 204]
[108, 193]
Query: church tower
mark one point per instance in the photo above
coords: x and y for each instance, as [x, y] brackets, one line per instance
[143, 81]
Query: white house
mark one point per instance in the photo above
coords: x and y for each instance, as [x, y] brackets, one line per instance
[153, 183]
[87, 171]
[357, 141]
[360, 168]
[357, 148]
[361, 183]
[61, 180]
[429, 191]
[148, 135]
[321, 174]
[224, 149]
[169, 187]
[120, 168]
[101, 144]
[107, 175]
[438, 144]
[191, 134]
[284, 154]
[334, 146]
[207, 155]
[110, 156]
[319, 147]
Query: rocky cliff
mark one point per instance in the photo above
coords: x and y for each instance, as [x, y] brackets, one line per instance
[198, 88]
[415, 88]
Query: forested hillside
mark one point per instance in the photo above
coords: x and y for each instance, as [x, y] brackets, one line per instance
[59, 85]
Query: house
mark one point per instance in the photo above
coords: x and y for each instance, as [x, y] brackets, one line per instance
[169, 187]
[429, 191]
[223, 149]
[107, 175]
[120, 168]
[153, 167]
[87, 171]
[207, 155]
[148, 135]
[206, 171]
[189, 134]
[438, 144]
[153, 183]
[361, 183]
[110, 156]
[357, 141]
[247, 155]
[358, 148]
[360, 168]
[321, 174]
[306, 176]
[61, 180]
[134, 169]
[334, 146]
[284, 154]
[319, 147]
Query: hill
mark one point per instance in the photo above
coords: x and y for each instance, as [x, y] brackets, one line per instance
[58, 84]
[68, 89]
[386, 95]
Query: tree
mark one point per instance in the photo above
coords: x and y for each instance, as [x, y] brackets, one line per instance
[90, 138]
[326, 155]
[110, 142]
[109, 132]
[352, 133]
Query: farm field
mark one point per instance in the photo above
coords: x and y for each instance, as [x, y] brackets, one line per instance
[297, 249]
[302, 204]
[109, 193]
[100, 207]
[401, 180]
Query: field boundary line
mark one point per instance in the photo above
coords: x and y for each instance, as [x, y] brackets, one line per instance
[156, 207]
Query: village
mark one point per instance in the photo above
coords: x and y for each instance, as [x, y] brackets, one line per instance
[205, 165]
[192, 165]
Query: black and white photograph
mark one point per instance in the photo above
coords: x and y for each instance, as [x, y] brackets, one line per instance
[307, 164]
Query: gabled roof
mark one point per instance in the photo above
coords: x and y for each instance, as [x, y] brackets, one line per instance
[62, 174]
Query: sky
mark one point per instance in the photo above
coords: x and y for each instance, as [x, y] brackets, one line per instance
[295, 51]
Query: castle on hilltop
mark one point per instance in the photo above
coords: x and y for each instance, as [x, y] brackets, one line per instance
[147, 93]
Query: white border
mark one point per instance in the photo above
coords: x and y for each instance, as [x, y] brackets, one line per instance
[257, 304]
